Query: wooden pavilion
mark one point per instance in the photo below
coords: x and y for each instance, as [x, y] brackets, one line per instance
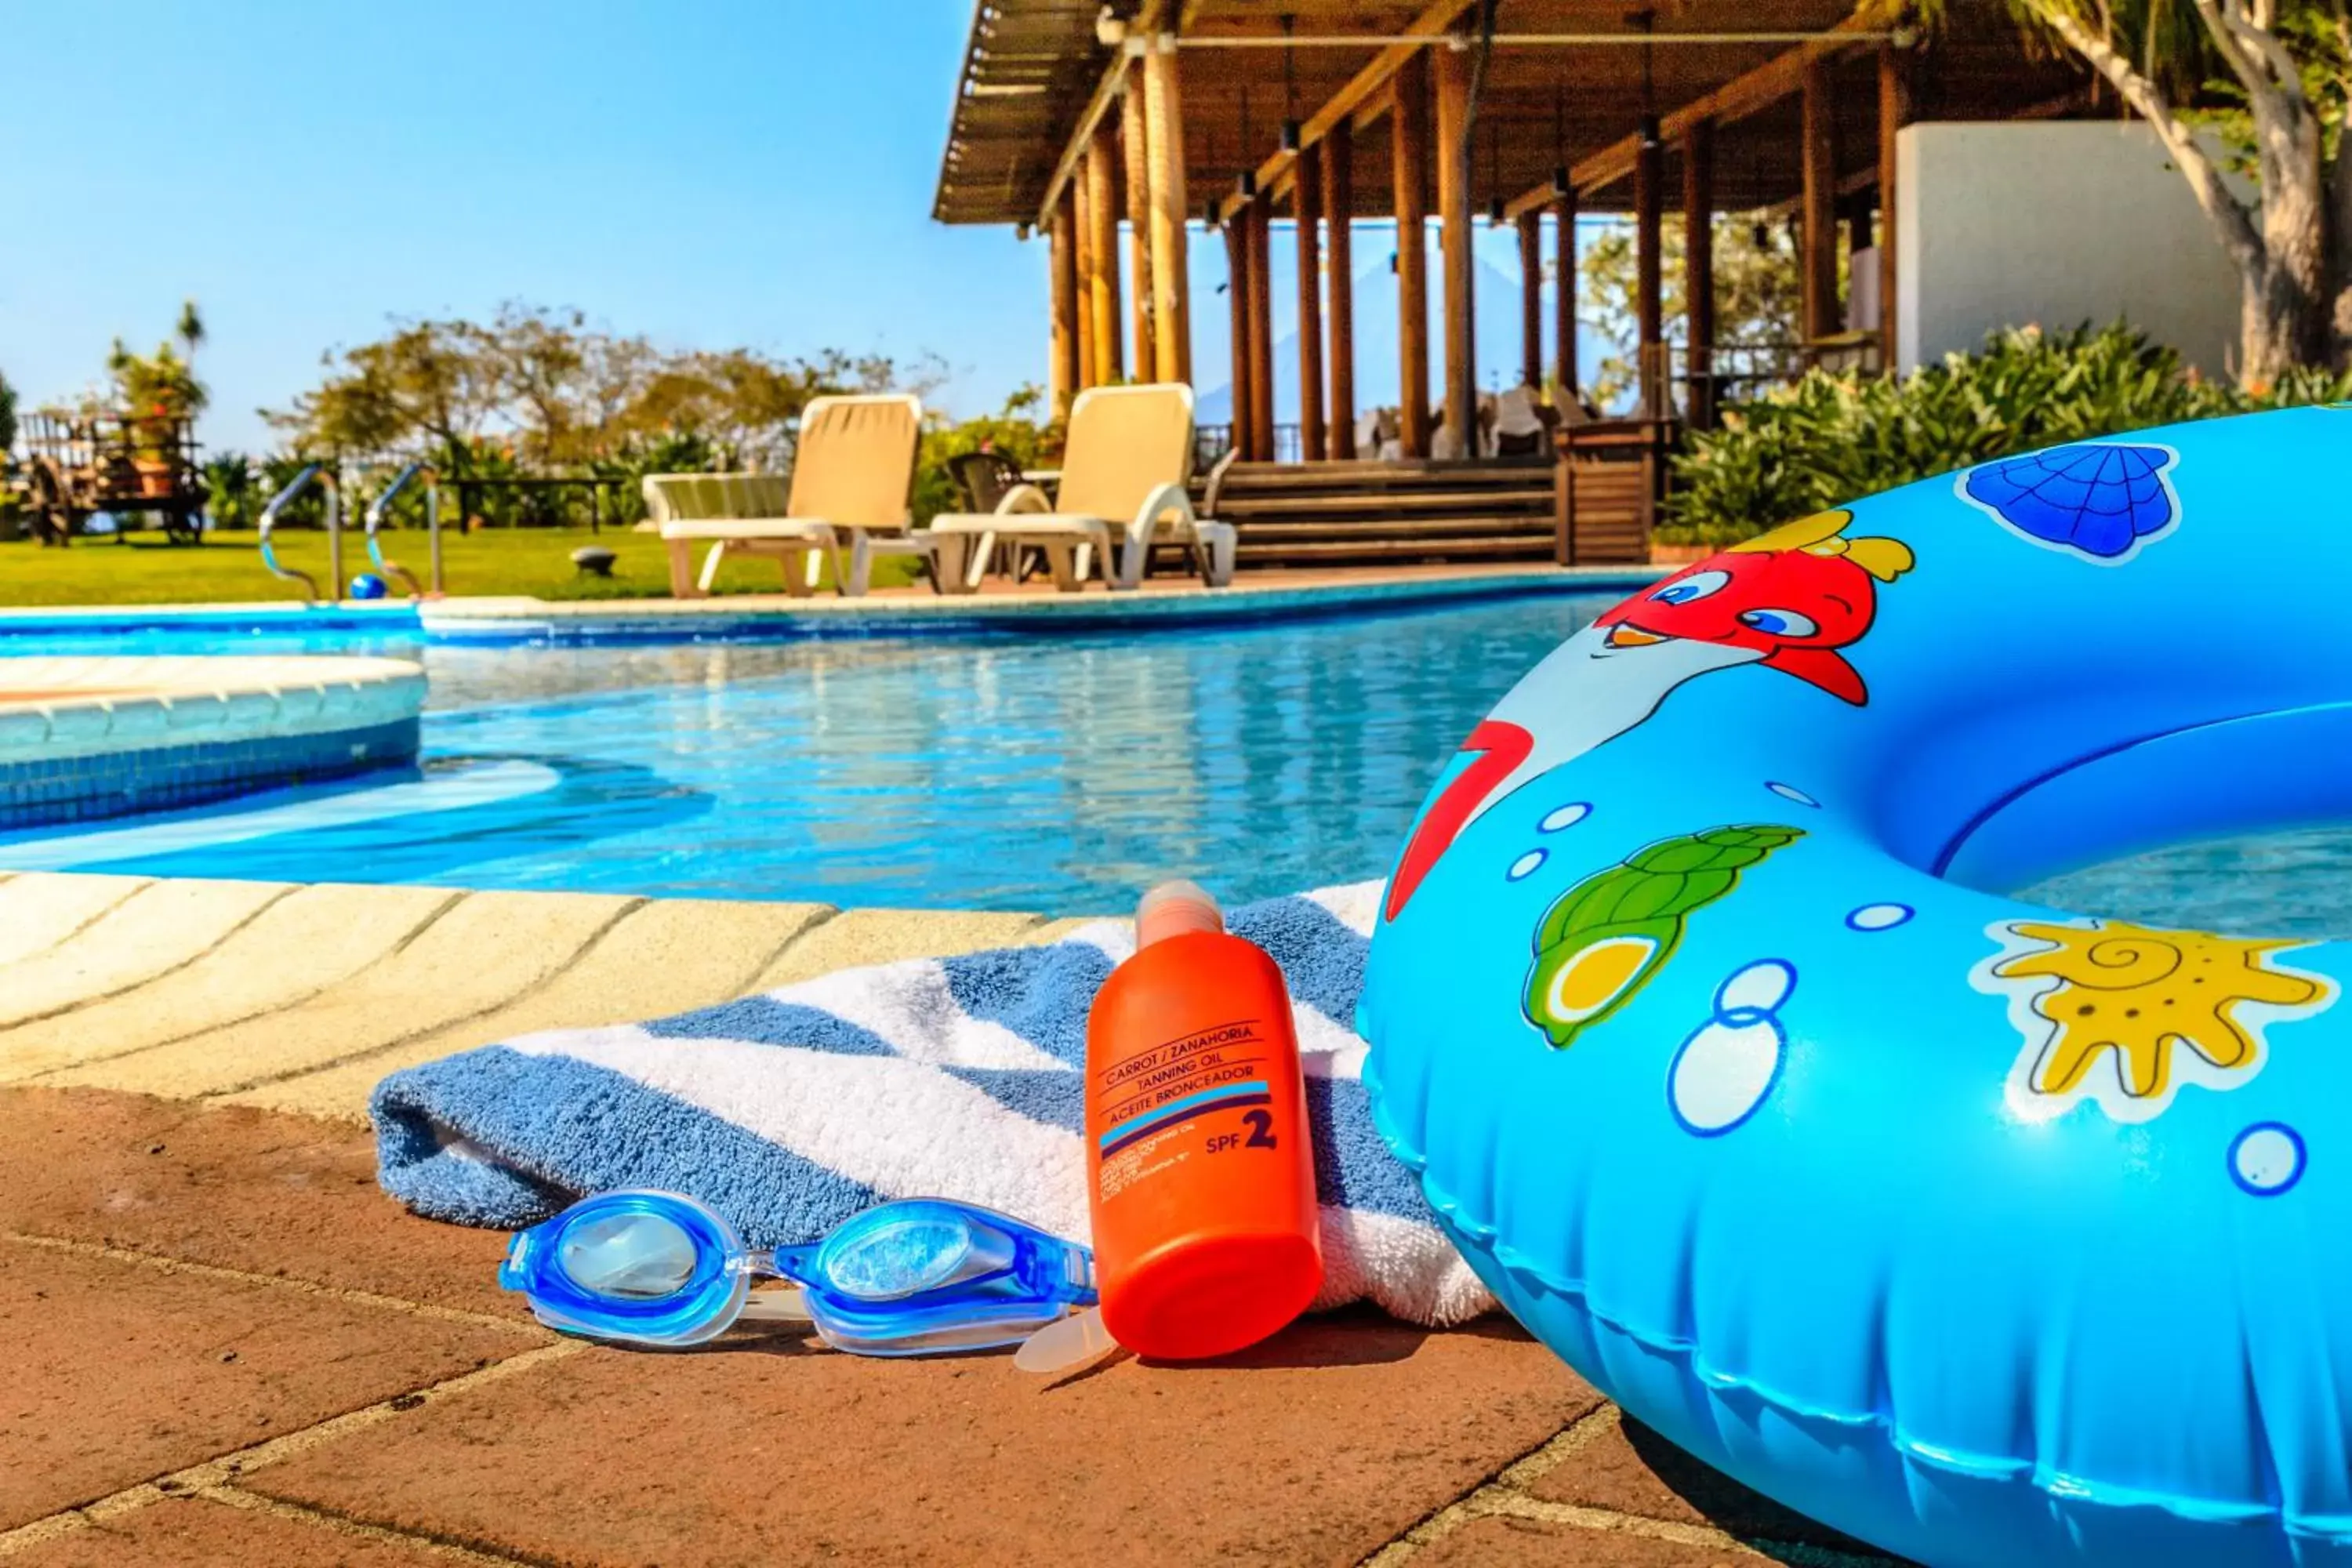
[1073, 117]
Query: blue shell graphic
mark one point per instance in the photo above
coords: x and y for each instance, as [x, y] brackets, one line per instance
[2099, 498]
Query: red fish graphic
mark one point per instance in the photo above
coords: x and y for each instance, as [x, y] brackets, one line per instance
[1788, 601]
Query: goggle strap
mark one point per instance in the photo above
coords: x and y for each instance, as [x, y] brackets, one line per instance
[778, 1304]
[1065, 1344]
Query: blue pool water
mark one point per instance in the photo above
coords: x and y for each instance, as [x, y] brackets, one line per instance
[1057, 775]
[996, 774]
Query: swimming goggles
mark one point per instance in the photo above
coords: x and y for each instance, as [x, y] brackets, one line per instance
[912, 1276]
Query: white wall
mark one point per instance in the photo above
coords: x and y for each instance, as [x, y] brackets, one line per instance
[2053, 223]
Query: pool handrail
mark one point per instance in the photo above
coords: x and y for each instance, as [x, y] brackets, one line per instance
[383, 504]
[300, 482]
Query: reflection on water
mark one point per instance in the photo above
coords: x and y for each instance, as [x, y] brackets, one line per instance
[2282, 884]
[1057, 775]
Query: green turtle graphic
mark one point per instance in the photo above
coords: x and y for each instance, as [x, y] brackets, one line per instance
[1603, 940]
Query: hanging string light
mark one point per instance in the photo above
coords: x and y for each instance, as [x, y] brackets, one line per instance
[1247, 184]
[1292, 137]
[1558, 144]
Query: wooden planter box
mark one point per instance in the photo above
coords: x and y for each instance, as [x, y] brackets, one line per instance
[1607, 482]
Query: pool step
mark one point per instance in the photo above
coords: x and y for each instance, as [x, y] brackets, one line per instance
[1325, 513]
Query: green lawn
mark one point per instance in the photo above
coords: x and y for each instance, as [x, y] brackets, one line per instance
[533, 562]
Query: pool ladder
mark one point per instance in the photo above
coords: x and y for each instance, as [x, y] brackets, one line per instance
[318, 473]
[285, 497]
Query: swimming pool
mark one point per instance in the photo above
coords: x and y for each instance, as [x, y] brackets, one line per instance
[1048, 774]
[1057, 773]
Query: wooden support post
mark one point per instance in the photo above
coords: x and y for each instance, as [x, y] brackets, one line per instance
[1102, 216]
[1649, 303]
[1531, 352]
[1564, 291]
[1698, 270]
[1453, 67]
[1893, 110]
[1818, 265]
[1062, 271]
[1261, 327]
[1237, 268]
[1163, 114]
[1409, 120]
[1082, 247]
[1339, 210]
[1307, 202]
[1135, 167]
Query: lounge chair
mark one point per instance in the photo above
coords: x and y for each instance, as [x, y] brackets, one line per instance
[1124, 464]
[852, 472]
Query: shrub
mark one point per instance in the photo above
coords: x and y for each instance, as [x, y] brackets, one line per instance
[1828, 438]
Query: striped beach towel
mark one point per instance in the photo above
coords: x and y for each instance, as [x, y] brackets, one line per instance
[959, 1077]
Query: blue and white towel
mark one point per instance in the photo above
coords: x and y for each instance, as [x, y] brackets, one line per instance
[959, 1077]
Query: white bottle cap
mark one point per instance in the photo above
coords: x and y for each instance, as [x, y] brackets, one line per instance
[1175, 909]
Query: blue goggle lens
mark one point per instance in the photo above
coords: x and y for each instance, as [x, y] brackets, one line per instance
[632, 1257]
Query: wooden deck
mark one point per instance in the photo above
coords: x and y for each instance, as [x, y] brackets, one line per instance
[1314, 514]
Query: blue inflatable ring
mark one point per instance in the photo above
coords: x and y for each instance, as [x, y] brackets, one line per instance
[1985, 1232]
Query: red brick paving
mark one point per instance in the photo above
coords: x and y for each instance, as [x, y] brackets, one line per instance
[1325, 1446]
[1628, 1468]
[116, 1373]
[1317, 1447]
[231, 1187]
[1535, 1543]
[190, 1533]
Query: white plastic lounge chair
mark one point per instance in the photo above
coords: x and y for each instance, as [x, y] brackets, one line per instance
[1124, 464]
[852, 472]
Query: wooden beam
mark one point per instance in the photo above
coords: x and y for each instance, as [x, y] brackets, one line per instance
[1453, 69]
[1361, 88]
[1237, 268]
[1102, 216]
[1338, 212]
[1082, 136]
[1061, 272]
[1698, 269]
[1893, 110]
[1306, 207]
[1261, 328]
[1564, 290]
[1409, 125]
[1531, 345]
[1649, 303]
[1736, 100]
[1171, 289]
[1135, 167]
[1817, 264]
[1082, 247]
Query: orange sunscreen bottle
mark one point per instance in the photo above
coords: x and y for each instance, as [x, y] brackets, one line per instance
[1201, 1176]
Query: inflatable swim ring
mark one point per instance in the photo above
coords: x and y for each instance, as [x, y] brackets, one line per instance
[1987, 1233]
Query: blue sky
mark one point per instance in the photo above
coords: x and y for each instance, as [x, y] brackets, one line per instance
[708, 173]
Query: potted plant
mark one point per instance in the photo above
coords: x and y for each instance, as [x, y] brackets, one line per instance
[158, 394]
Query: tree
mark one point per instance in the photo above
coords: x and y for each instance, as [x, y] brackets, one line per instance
[548, 389]
[1758, 294]
[2288, 65]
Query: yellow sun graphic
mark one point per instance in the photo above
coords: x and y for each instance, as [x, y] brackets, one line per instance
[2165, 1007]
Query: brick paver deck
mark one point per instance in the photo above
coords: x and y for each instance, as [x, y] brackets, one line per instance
[227, 1344]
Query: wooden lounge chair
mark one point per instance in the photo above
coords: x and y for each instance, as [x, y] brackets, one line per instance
[852, 473]
[1124, 464]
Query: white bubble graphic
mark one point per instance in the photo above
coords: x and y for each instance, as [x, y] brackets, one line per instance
[2267, 1158]
[1729, 1064]
[1722, 1073]
[1789, 792]
[1568, 816]
[1880, 917]
[1525, 864]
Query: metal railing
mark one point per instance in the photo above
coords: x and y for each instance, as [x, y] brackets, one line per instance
[301, 483]
[383, 504]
